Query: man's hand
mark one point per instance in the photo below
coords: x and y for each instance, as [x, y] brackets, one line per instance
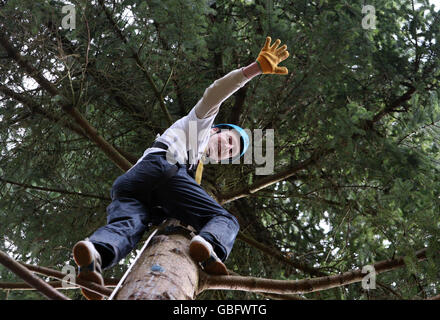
[271, 56]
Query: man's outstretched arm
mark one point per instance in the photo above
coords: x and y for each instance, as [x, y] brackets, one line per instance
[267, 63]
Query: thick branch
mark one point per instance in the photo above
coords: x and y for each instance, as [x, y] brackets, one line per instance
[37, 109]
[252, 284]
[29, 278]
[277, 177]
[91, 286]
[279, 256]
[91, 132]
[396, 103]
[27, 186]
[54, 284]
[93, 135]
[24, 286]
[30, 71]
[71, 126]
[135, 56]
[102, 80]
[273, 296]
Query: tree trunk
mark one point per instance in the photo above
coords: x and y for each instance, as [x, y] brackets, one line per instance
[164, 271]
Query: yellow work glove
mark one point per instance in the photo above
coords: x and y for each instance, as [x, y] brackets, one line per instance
[271, 56]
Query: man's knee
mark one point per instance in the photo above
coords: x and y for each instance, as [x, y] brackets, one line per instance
[127, 222]
[121, 187]
[126, 212]
[235, 221]
[231, 218]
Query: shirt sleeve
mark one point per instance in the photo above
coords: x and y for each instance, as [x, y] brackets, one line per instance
[218, 92]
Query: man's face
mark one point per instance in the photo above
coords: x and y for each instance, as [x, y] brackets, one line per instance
[223, 144]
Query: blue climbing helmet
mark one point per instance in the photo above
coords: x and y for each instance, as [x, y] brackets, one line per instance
[244, 138]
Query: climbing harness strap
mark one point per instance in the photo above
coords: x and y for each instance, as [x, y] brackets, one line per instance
[176, 226]
[171, 171]
[160, 145]
[179, 227]
[155, 210]
[131, 266]
[190, 168]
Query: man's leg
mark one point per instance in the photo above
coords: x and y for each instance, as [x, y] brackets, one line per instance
[127, 215]
[127, 221]
[186, 200]
[109, 244]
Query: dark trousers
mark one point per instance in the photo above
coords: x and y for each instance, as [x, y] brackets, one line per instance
[138, 190]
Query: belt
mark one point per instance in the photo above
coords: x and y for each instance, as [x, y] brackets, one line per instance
[171, 171]
[157, 215]
[191, 168]
[161, 145]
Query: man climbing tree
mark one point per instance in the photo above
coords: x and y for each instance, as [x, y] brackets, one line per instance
[164, 177]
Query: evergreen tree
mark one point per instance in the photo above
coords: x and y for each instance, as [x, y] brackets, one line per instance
[356, 123]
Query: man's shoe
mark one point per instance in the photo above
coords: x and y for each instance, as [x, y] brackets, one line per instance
[89, 262]
[201, 251]
[215, 266]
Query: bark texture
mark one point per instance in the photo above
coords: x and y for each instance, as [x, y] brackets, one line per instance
[164, 271]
